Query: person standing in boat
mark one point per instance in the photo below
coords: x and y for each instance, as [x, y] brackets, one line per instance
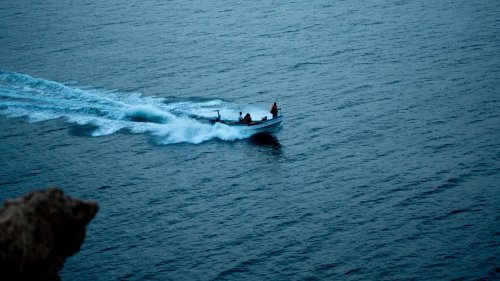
[248, 118]
[274, 110]
[240, 119]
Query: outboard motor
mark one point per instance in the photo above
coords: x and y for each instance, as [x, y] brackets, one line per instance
[213, 121]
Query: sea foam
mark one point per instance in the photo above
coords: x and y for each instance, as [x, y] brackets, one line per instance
[111, 111]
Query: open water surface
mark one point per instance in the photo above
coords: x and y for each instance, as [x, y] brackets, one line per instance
[387, 166]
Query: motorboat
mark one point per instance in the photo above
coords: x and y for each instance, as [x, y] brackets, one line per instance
[263, 126]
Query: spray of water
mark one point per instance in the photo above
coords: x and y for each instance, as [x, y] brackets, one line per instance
[110, 111]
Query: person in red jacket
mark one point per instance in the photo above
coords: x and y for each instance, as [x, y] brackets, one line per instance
[274, 110]
[248, 118]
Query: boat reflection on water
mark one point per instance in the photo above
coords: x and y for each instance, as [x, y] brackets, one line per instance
[265, 140]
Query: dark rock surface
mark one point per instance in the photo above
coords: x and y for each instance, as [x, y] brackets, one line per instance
[39, 231]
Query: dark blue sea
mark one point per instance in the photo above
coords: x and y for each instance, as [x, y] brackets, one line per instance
[387, 166]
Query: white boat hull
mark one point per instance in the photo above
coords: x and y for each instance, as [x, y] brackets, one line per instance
[268, 126]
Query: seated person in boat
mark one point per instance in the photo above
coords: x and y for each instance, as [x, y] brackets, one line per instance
[248, 118]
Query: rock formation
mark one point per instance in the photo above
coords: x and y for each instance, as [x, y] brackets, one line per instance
[39, 231]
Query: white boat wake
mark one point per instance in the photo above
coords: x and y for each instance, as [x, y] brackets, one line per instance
[110, 111]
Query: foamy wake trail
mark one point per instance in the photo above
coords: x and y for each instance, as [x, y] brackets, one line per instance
[111, 111]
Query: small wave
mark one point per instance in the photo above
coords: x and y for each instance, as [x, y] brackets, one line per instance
[147, 114]
[98, 112]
